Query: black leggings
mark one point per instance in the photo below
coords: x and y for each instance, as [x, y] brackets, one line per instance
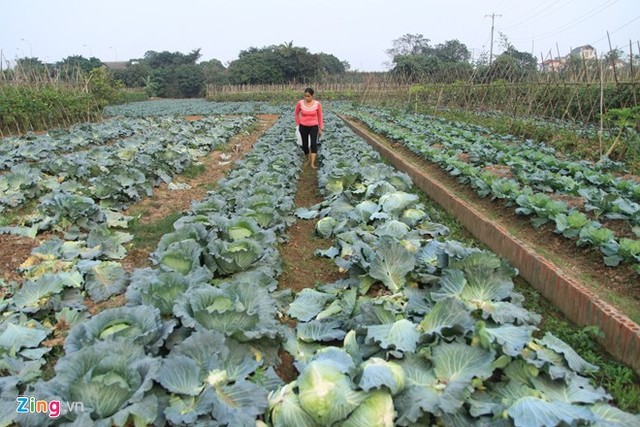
[305, 132]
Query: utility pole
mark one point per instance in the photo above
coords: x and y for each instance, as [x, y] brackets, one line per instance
[493, 17]
[30, 50]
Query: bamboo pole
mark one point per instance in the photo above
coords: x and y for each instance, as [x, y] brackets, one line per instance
[601, 108]
[613, 62]
[631, 74]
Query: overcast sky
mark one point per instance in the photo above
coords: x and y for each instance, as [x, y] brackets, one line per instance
[356, 31]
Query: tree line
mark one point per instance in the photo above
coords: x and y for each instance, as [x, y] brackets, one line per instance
[413, 59]
[180, 75]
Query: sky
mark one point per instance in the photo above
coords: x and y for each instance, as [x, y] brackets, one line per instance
[357, 31]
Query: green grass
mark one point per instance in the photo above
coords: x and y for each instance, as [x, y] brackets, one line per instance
[16, 215]
[194, 170]
[616, 378]
[147, 236]
[251, 127]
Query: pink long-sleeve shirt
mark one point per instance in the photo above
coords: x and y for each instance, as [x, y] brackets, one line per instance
[309, 115]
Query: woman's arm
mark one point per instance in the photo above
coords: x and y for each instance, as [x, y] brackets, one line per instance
[296, 113]
[320, 120]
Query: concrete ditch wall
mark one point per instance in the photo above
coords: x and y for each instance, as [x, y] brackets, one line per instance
[579, 304]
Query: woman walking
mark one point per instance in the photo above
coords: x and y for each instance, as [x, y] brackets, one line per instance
[308, 115]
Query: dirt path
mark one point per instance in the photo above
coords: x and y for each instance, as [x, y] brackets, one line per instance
[302, 269]
[165, 202]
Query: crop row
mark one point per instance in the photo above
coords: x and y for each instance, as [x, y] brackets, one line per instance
[91, 185]
[185, 107]
[534, 164]
[531, 194]
[34, 148]
[584, 130]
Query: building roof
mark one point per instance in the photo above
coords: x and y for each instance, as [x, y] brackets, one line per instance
[116, 65]
[580, 49]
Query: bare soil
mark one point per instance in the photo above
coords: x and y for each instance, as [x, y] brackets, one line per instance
[302, 269]
[15, 250]
[499, 171]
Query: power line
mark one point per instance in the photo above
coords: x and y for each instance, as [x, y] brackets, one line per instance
[570, 24]
[617, 29]
[576, 21]
[518, 7]
[531, 19]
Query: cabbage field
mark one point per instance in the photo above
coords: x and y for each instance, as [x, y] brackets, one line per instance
[577, 197]
[423, 330]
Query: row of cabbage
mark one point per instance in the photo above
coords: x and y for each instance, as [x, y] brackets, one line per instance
[183, 107]
[91, 186]
[425, 331]
[198, 338]
[539, 178]
[583, 130]
[531, 163]
[32, 147]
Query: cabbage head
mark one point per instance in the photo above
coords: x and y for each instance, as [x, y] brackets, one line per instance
[111, 379]
[326, 393]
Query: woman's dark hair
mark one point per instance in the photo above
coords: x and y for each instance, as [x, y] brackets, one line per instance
[309, 91]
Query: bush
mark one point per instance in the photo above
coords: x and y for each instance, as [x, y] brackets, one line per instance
[38, 107]
[102, 87]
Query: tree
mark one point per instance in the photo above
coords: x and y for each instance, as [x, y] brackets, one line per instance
[29, 69]
[614, 57]
[415, 68]
[329, 64]
[214, 72]
[452, 51]
[190, 80]
[284, 63]
[170, 59]
[134, 75]
[409, 44]
[76, 66]
[256, 66]
[174, 74]
[513, 65]
[30, 63]
[297, 63]
[447, 62]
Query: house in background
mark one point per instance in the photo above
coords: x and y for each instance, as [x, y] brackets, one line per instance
[555, 64]
[586, 52]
